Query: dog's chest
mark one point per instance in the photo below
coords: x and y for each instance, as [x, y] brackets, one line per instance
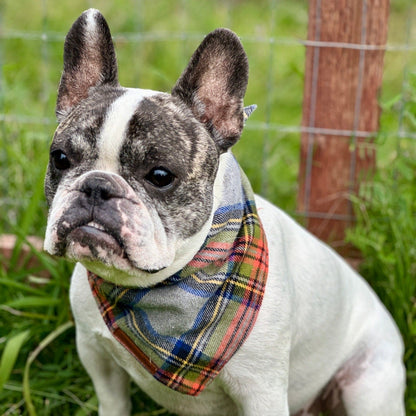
[89, 323]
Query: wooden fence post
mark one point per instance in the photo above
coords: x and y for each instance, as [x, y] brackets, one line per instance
[343, 76]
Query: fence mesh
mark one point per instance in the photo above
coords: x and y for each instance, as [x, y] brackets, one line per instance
[154, 40]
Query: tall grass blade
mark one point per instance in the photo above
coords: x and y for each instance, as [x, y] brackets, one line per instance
[13, 284]
[33, 301]
[26, 382]
[26, 220]
[9, 356]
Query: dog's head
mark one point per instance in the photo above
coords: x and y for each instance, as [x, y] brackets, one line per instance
[130, 180]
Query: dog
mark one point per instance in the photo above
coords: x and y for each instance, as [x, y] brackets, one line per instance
[210, 298]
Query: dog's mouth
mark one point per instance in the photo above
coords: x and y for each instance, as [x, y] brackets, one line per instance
[93, 241]
[96, 238]
[118, 237]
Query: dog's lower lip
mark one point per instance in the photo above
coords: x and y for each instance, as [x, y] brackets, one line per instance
[93, 235]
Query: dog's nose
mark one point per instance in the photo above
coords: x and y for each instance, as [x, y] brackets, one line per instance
[100, 187]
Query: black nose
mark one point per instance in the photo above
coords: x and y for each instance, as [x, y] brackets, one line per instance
[100, 187]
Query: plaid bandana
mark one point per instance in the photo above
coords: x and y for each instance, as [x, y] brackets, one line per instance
[185, 329]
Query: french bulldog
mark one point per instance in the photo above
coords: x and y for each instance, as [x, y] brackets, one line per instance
[211, 299]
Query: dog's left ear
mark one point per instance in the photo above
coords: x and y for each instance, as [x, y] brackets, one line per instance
[213, 86]
[89, 60]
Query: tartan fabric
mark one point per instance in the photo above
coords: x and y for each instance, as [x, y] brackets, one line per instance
[185, 329]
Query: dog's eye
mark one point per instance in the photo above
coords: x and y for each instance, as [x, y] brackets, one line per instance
[160, 177]
[60, 160]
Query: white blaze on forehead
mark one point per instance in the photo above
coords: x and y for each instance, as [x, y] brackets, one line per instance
[113, 132]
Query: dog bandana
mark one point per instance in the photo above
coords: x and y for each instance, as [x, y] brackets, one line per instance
[185, 329]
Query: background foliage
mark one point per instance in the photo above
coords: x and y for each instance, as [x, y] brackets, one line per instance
[39, 369]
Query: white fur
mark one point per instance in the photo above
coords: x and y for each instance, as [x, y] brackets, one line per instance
[114, 129]
[55, 211]
[317, 315]
[91, 15]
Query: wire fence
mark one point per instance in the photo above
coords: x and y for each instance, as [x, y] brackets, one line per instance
[275, 36]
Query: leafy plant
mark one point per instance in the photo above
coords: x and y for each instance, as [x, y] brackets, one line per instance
[385, 233]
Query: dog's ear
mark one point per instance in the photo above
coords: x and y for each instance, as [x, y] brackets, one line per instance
[213, 86]
[89, 60]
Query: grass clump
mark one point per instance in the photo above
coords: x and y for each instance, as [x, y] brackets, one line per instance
[385, 234]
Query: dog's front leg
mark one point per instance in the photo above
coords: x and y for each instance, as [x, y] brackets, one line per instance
[265, 403]
[260, 386]
[270, 398]
[111, 382]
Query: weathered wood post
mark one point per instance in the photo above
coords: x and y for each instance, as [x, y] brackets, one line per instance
[343, 76]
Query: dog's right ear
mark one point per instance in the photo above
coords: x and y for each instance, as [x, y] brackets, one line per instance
[89, 61]
[213, 86]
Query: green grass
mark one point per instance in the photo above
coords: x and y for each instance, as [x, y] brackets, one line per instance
[385, 234]
[39, 368]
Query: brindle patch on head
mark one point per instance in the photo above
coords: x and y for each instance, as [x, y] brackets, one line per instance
[77, 136]
[163, 132]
